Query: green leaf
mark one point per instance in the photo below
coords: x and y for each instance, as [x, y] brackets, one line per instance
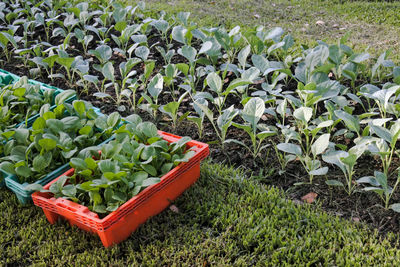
[304, 114]
[79, 107]
[149, 169]
[382, 133]
[41, 162]
[85, 130]
[142, 52]
[108, 71]
[119, 196]
[214, 82]
[334, 158]
[189, 53]
[395, 207]
[253, 111]
[150, 181]
[91, 163]
[23, 171]
[63, 96]
[78, 163]
[349, 160]
[7, 167]
[69, 190]
[351, 122]
[179, 33]
[334, 183]
[66, 62]
[320, 145]
[108, 166]
[320, 171]
[290, 148]
[148, 128]
[39, 124]
[47, 144]
[113, 119]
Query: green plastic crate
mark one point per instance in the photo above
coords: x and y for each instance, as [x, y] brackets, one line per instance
[3, 179]
[23, 195]
[7, 77]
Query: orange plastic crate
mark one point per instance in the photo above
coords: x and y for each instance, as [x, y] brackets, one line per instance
[118, 225]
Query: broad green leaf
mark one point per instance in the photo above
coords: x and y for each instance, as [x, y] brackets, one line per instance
[63, 96]
[142, 52]
[351, 122]
[189, 53]
[113, 119]
[320, 145]
[303, 113]
[150, 181]
[108, 166]
[214, 82]
[253, 111]
[78, 163]
[108, 71]
[290, 148]
[47, 144]
[395, 207]
[382, 133]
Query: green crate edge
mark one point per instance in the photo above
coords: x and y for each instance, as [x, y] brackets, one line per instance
[3, 181]
[24, 196]
[13, 77]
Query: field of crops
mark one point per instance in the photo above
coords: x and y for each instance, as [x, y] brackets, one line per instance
[321, 122]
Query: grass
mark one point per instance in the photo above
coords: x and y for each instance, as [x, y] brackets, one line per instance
[372, 25]
[224, 220]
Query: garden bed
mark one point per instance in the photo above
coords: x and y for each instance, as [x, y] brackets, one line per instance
[254, 87]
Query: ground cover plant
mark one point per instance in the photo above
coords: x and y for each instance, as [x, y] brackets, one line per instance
[323, 118]
[224, 219]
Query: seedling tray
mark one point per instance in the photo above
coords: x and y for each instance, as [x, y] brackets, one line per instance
[43, 87]
[118, 225]
[9, 78]
[24, 195]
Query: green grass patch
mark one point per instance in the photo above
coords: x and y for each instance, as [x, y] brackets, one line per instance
[372, 25]
[224, 219]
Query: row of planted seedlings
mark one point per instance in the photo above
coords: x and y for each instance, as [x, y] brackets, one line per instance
[70, 135]
[320, 107]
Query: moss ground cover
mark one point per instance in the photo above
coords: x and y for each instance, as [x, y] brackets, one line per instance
[224, 219]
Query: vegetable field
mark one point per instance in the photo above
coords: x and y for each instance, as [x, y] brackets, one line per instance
[319, 122]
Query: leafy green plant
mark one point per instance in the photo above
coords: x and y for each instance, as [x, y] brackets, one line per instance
[346, 162]
[22, 100]
[379, 184]
[311, 145]
[124, 168]
[54, 138]
[171, 109]
[251, 114]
